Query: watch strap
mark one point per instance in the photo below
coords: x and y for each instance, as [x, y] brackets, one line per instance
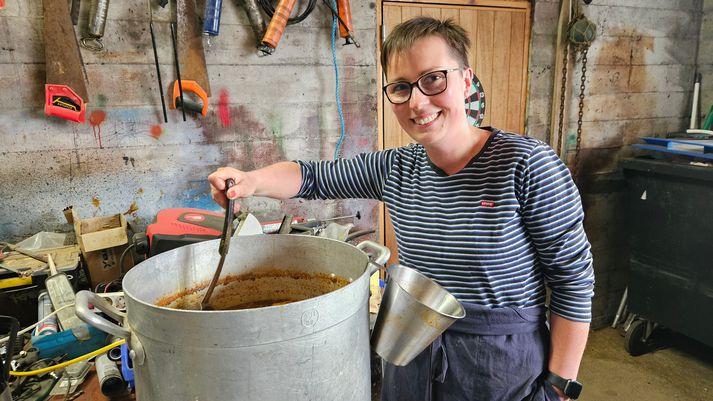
[570, 388]
[556, 380]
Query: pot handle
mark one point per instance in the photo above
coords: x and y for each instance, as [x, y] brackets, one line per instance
[81, 305]
[382, 255]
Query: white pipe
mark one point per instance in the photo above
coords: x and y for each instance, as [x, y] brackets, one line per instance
[694, 108]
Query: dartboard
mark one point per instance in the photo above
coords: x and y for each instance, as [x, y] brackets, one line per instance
[475, 103]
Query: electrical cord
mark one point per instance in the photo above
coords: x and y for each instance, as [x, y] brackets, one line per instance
[270, 11]
[121, 258]
[70, 362]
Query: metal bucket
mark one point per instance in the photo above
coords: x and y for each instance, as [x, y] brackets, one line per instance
[414, 311]
[313, 349]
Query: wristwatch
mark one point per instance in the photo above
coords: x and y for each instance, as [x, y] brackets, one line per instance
[570, 388]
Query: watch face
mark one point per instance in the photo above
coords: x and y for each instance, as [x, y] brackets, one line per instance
[572, 389]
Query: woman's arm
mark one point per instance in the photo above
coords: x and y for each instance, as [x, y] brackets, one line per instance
[567, 341]
[280, 181]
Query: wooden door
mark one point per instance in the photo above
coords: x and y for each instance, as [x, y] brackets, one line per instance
[500, 37]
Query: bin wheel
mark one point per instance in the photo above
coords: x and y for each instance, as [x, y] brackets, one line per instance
[635, 342]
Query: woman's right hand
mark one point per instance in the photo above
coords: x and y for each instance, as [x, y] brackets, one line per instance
[244, 185]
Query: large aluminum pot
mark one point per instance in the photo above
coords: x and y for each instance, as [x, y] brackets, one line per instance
[314, 349]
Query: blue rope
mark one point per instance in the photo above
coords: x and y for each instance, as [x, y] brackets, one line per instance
[336, 78]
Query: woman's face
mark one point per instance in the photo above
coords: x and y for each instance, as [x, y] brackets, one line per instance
[430, 120]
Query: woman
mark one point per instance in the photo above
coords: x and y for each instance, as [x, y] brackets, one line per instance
[492, 216]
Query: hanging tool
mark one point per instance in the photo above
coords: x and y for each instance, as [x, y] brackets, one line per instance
[98, 10]
[344, 16]
[187, 105]
[211, 17]
[257, 23]
[178, 71]
[224, 245]
[155, 57]
[66, 80]
[346, 29]
[74, 11]
[270, 11]
[191, 59]
[276, 28]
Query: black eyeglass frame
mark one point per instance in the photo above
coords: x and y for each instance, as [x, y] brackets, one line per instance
[416, 84]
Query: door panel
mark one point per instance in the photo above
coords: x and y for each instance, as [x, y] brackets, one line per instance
[500, 36]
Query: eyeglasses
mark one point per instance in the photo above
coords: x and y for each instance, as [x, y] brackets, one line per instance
[430, 84]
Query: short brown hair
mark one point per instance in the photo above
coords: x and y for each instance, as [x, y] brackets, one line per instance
[408, 32]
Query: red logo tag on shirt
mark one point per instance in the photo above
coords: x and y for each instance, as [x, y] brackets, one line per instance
[487, 203]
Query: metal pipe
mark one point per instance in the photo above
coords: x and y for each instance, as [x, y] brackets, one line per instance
[97, 17]
[158, 72]
[257, 23]
[174, 39]
[110, 381]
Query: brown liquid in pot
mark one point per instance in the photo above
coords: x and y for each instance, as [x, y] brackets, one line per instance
[257, 290]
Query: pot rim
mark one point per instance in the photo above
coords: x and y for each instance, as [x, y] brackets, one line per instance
[297, 304]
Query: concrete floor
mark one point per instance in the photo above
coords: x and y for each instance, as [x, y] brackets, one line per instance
[679, 369]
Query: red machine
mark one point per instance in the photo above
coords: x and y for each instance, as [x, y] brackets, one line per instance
[182, 226]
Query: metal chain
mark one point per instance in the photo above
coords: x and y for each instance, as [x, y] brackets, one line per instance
[563, 90]
[580, 114]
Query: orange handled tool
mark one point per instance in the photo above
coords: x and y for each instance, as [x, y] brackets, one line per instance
[277, 26]
[185, 104]
[345, 14]
[61, 101]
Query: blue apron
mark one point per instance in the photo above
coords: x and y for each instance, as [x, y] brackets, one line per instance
[492, 354]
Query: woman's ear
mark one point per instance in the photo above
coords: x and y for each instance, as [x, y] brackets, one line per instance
[468, 78]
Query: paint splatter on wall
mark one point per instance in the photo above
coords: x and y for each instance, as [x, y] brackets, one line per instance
[264, 111]
[96, 118]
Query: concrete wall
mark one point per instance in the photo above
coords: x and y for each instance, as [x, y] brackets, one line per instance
[281, 107]
[639, 82]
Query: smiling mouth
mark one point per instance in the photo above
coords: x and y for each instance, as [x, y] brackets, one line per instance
[426, 120]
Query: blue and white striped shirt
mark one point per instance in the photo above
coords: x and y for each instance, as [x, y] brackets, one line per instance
[491, 234]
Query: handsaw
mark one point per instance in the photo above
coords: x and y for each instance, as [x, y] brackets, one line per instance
[190, 46]
[66, 79]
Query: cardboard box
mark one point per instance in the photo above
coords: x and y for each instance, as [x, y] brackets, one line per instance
[103, 264]
[98, 233]
[101, 240]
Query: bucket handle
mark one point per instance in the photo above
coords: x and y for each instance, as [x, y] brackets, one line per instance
[82, 301]
[382, 255]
